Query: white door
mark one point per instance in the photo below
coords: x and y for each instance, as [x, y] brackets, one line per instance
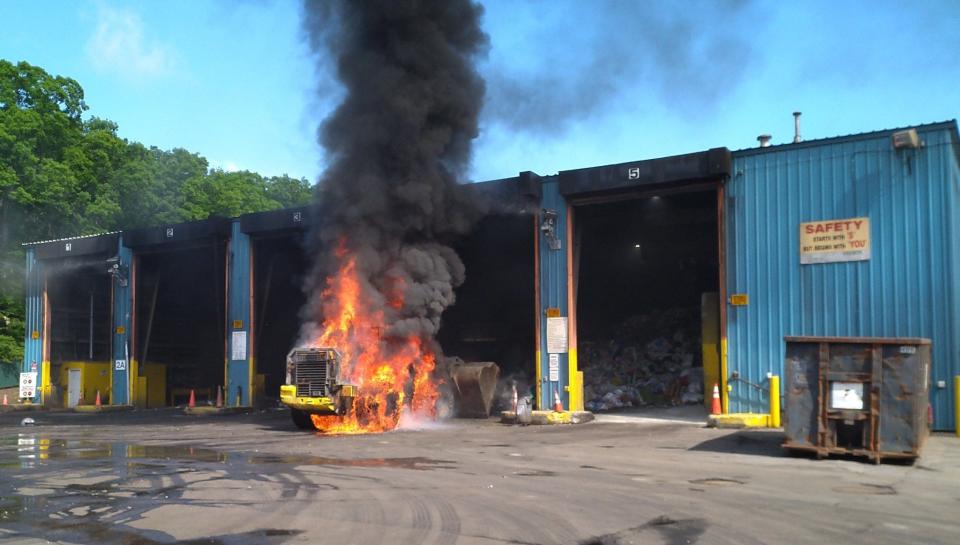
[73, 388]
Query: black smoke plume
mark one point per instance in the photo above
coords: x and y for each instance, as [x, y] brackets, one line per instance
[397, 146]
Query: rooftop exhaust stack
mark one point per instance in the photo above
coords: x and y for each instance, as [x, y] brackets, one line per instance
[796, 128]
[764, 140]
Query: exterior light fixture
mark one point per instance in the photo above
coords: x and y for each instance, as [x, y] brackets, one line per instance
[548, 226]
[118, 271]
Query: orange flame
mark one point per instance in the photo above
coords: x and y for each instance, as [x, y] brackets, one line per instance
[385, 370]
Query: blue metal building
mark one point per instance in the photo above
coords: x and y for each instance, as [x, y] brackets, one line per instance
[909, 286]
[757, 199]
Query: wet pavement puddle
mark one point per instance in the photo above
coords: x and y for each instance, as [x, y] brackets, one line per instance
[90, 492]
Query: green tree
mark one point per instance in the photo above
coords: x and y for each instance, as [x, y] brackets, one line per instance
[11, 329]
[61, 175]
[221, 193]
[288, 192]
[40, 123]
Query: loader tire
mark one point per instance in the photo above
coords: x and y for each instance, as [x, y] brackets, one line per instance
[302, 420]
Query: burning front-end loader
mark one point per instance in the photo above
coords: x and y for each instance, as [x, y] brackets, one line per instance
[313, 386]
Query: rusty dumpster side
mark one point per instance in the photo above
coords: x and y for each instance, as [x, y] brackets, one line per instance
[853, 395]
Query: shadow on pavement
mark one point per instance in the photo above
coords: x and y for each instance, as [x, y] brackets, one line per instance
[753, 442]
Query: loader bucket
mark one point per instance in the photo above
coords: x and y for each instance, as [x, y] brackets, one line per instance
[475, 383]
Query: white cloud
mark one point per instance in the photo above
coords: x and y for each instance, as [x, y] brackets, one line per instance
[230, 166]
[119, 45]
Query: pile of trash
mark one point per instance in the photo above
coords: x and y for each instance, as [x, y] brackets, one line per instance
[651, 359]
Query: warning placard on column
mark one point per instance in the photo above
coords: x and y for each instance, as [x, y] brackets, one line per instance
[557, 335]
[239, 346]
[554, 367]
[833, 241]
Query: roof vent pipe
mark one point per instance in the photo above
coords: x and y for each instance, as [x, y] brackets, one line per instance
[796, 128]
[764, 140]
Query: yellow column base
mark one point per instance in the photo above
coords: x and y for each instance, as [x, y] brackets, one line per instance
[774, 401]
[739, 420]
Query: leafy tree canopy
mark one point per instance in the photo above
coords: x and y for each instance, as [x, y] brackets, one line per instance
[63, 175]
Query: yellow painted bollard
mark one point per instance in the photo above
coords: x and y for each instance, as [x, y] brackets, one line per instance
[774, 401]
[956, 404]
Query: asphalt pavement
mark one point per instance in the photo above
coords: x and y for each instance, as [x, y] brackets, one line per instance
[153, 477]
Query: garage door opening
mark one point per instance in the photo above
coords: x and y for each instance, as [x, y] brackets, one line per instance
[647, 275]
[279, 266]
[493, 317]
[180, 317]
[78, 292]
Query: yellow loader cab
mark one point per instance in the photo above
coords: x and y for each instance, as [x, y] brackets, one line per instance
[313, 385]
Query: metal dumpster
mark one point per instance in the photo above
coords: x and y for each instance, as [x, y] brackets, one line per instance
[861, 396]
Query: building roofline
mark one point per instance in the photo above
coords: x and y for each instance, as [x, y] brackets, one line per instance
[68, 239]
[528, 183]
[686, 168]
[950, 124]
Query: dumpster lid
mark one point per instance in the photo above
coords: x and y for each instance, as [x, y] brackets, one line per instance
[859, 340]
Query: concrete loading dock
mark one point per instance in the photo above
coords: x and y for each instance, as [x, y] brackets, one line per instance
[767, 285]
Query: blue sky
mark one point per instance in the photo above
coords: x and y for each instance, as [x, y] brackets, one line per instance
[570, 83]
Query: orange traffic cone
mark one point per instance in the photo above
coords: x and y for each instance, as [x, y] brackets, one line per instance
[557, 405]
[193, 400]
[715, 406]
[5, 400]
[97, 402]
[219, 396]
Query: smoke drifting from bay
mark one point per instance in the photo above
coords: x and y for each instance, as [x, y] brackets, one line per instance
[591, 58]
[397, 147]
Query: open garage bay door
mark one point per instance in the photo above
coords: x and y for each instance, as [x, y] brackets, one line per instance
[180, 302]
[647, 273]
[493, 318]
[279, 266]
[79, 296]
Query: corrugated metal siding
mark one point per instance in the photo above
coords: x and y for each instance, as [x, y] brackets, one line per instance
[122, 317]
[908, 288]
[33, 348]
[553, 289]
[238, 293]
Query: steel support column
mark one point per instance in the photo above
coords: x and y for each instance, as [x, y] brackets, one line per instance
[554, 298]
[239, 373]
[122, 326]
[34, 353]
